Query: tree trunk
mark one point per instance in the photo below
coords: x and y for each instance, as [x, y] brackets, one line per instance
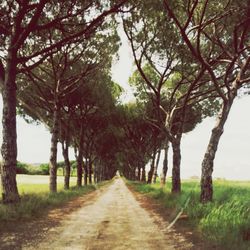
[104, 172]
[53, 150]
[100, 172]
[95, 171]
[151, 171]
[135, 174]
[85, 167]
[176, 178]
[79, 167]
[129, 172]
[139, 173]
[80, 158]
[208, 160]
[90, 172]
[143, 175]
[165, 164]
[156, 165]
[9, 144]
[65, 151]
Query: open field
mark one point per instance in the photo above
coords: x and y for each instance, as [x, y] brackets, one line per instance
[28, 184]
[225, 221]
[36, 199]
[39, 183]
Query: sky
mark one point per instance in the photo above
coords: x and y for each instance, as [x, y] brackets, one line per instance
[232, 159]
[233, 156]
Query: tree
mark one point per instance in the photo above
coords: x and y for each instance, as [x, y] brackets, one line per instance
[140, 139]
[91, 101]
[99, 126]
[155, 57]
[25, 44]
[65, 138]
[52, 82]
[169, 75]
[217, 36]
[168, 115]
[158, 155]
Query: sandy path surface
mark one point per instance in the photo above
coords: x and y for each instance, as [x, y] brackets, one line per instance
[113, 220]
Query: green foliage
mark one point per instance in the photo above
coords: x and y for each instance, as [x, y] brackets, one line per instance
[140, 136]
[194, 113]
[225, 221]
[22, 168]
[44, 168]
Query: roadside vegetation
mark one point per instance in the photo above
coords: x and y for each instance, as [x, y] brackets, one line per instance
[36, 200]
[225, 221]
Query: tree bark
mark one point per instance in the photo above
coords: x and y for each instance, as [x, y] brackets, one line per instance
[156, 165]
[99, 172]
[139, 173]
[80, 158]
[208, 160]
[151, 171]
[176, 178]
[133, 174]
[85, 167]
[143, 174]
[104, 173]
[65, 151]
[9, 144]
[79, 167]
[165, 164]
[53, 150]
[90, 172]
[95, 171]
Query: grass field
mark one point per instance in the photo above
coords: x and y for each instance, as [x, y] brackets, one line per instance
[30, 184]
[39, 183]
[225, 221]
[36, 199]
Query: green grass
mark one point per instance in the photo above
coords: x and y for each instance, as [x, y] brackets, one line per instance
[36, 199]
[225, 221]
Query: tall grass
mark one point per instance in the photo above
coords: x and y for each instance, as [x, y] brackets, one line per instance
[225, 221]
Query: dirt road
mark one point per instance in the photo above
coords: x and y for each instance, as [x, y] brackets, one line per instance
[113, 219]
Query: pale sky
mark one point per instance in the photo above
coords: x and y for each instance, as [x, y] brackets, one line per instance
[232, 159]
[233, 156]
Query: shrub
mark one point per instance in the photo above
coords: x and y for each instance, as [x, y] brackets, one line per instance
[44, 168]
[22, 168]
